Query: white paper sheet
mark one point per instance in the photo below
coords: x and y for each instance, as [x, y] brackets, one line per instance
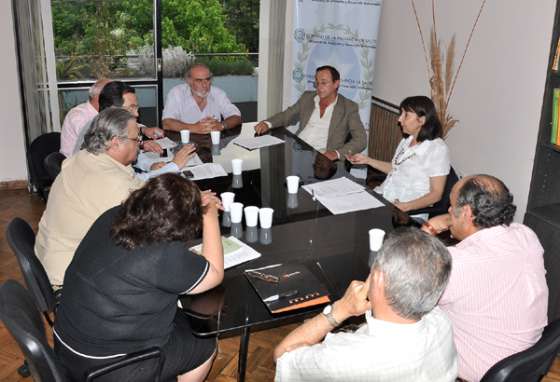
[350, 202]
[166, 143]
[335, 187]
[253, 143]
[239, 252]
[194, 161]
[207, 171]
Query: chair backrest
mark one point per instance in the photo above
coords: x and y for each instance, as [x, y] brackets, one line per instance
[42, 146]
[53, 164]
[24, 322]
[21, 238]
[531, 364]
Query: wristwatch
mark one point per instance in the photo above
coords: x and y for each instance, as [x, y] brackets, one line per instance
[327, 312]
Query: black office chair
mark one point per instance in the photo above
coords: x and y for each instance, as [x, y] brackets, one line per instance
[53, 164]
[442, 206]
[23, 321]
[21, 239]
[529, 365]
[42, 146]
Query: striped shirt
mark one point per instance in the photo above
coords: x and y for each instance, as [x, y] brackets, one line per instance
[496, 297]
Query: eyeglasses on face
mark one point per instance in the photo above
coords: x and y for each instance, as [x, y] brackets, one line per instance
[137, 139]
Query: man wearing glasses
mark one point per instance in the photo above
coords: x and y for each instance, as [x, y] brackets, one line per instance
[198, 106]
[326, 118]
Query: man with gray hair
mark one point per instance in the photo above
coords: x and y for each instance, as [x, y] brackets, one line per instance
[198, 106]
[497, 296]
[89, 183]
[78, 117]
[405, 338]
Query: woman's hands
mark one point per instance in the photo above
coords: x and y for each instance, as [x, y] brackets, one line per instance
[359, 159]
[210, 203]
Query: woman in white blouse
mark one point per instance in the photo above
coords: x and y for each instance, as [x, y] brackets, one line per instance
[417, 173]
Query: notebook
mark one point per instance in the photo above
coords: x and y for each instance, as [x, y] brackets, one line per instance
[287, 287]
[235, 252]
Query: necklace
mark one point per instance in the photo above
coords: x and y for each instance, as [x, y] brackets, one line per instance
[399, 157]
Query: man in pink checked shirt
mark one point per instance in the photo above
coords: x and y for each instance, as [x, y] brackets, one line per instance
[79, 117]
[497, 295]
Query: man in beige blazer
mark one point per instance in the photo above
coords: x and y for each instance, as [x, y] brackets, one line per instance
[327, 120]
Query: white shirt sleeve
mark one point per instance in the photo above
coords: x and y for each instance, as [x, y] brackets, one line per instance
[227, 109]
[172, 104]
[438, 161]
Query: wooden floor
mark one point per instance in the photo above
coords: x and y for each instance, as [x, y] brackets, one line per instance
[260, 366]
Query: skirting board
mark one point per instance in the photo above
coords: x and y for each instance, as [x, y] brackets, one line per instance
[13, 185]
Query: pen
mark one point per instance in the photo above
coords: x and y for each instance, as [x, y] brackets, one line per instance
[276, 297]
[266, 267]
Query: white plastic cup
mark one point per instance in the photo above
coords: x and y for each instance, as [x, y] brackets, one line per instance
[227, 200]
[376, 236]
[236, 212]
[293, 184]
[215, 135]
[265, 217]
[251, 216]
[237, 166]
[185, 136]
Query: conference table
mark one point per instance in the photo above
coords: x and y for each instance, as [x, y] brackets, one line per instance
[334, 247]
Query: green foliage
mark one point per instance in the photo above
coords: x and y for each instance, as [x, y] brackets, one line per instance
[243, 20]
[224, 65]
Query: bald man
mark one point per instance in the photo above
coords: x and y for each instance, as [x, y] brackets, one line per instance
[497, 295]
[78, 118]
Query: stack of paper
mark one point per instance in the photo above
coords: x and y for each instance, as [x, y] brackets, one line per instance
[258, 142]
[235, 252]
[207, 171]
[342, 195]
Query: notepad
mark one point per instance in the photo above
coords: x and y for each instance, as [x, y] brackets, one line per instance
[258, 142]
[207, 171]
[235, 252]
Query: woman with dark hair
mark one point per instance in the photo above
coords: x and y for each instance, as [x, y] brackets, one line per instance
[121, 289]
[417, 173]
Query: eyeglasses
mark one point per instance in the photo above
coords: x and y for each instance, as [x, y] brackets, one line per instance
[138, 139]
[262, 276]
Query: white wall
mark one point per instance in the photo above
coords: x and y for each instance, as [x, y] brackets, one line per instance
[12, 148]
[499, 93]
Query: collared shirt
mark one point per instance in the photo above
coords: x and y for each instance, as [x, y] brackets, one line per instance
[412, 168]
[316, 132]
[87, 186]
[181, 105]
[378, 351]
[74, 123]
[496, 297]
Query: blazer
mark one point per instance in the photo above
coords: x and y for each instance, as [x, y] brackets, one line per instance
[345, 121]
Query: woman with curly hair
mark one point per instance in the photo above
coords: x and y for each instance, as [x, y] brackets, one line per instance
[417, 173]
[121, 289]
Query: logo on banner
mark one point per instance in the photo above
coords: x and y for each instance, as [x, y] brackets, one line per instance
[334, 44]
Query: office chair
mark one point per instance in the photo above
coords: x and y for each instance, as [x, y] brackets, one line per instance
[21, 239]
[442, 206]
[23, 321]
[41, 146]
[53, 164]
[531, 364]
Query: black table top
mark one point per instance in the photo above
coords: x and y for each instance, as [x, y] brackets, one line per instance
[334, 246]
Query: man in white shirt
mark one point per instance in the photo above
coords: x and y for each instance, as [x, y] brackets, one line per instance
[405, 338]
[198, 106]
[328, 121]
[79, 117]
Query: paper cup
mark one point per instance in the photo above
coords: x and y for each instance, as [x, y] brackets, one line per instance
[227, 200]
[251, 216]
[265, 217]
[215, 135]
[293, 184]
[185, 136]
[376, 236]
[237, 166]
[236, 212]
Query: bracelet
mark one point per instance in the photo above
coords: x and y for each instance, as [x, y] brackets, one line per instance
[430, 228]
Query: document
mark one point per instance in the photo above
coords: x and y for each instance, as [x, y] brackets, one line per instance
[350, 202]
[207, 171]
[334, 187]
[166, 143]
[258, 142]
[235, 252]
[194, 161]
[147, 159]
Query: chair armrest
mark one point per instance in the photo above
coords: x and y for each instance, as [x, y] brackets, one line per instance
[150, 353]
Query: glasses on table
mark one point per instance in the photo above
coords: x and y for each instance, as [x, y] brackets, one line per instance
[269, 278]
